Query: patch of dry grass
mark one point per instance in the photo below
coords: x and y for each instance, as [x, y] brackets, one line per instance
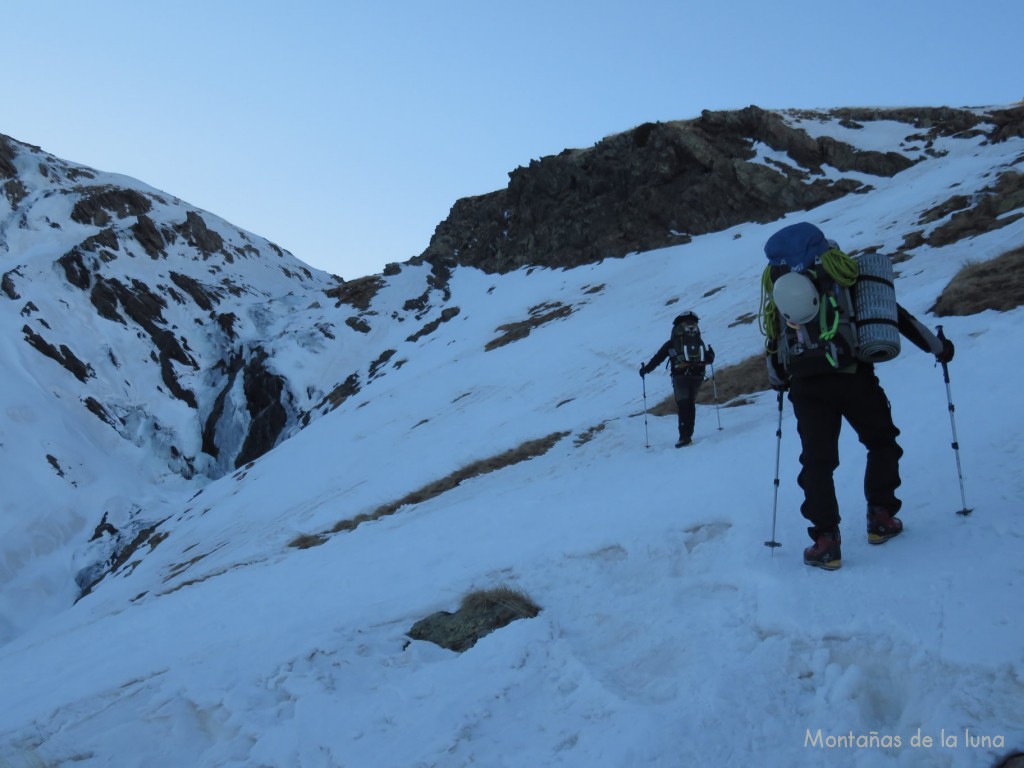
[528, 450]
[588, 435]
[995, 284]
[307, 541]
[512, 598]
[539, 315]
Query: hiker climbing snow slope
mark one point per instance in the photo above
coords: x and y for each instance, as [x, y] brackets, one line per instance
[688, 358]
[827, 319]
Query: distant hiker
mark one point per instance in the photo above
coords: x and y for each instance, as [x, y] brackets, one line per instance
[687, 357]
[827, 319]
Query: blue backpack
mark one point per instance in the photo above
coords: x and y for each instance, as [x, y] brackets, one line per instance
[797, 246]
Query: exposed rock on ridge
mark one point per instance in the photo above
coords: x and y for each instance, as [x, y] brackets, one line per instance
[662, 183]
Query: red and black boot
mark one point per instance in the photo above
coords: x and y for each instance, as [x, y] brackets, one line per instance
[825, 551]
[882, 525]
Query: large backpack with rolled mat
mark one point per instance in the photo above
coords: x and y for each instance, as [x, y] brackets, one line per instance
[823, 311]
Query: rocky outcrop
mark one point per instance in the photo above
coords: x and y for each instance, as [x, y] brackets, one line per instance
[7, 155]
[357, 293]
[198, 235]
[265, 394]
[265, 401]
[480, 613]
[7, 285]
[99, 204]
[63, 355]
[1009, 123]
[144, 307]
[149, 237]
[662, 183]
[993, 208]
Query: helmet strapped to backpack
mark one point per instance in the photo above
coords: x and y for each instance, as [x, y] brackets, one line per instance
[817, 333]
[796, 297]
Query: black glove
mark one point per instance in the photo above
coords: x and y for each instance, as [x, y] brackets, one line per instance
[711, 354]
[643, 370]
[781, 387]
[947, 351]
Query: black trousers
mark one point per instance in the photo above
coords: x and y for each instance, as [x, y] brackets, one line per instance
[685, 389]
[820, 404]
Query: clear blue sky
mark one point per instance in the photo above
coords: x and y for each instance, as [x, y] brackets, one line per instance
[344, 131]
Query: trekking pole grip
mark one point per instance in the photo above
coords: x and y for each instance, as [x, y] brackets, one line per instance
[945, 366]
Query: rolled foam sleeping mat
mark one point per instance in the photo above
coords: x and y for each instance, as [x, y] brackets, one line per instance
[878, 336]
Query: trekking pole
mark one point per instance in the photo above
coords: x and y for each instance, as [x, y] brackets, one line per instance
[714, 389]
[775, 504]
[647, 439]
[952, 422]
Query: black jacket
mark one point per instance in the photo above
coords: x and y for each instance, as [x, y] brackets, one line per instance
[915, 332]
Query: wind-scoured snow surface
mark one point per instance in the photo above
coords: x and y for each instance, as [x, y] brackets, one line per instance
[669, 634]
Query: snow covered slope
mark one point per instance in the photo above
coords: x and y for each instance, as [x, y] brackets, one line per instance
[148, 347]
[669, 635]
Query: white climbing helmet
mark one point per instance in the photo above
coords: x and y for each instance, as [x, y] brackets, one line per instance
[796, 298]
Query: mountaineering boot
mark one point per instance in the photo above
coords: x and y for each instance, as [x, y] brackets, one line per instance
[825, 552]
[683, 441]
[882, 525]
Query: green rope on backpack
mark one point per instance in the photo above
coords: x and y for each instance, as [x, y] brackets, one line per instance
[840, 267]
[768, 314]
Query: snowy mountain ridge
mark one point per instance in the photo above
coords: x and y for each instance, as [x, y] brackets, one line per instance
[668, 634]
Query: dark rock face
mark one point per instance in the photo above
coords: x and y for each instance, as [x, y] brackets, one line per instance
[1009, 123]
[205, 298]
[7, 155]
[264, 394]
[75, 270]
[446, 314]
[359, 292]
[267, 401]
[7, 285]
[662, 183]
[148, 236]
[200, 236]
[342, 392]
[210, 445]
[145, 307]
[64, 356]
[995, 207]
[100, 203]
